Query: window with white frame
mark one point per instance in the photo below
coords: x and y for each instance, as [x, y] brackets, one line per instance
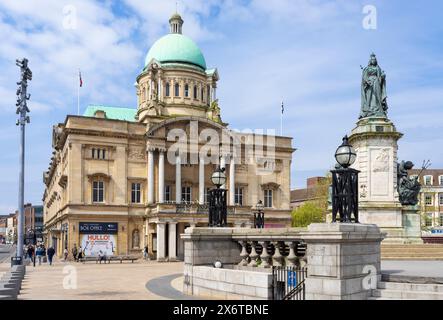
[98, 191]
[427, 180]
[238, 196]
[168, 194]
[440, 180]
[268, 198]
[186, 194]
[440, 219]
[428, 199]
[440, 199]
[136, 192]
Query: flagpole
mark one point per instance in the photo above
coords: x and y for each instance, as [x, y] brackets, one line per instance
[78, 95]
[281, 120]
[78, 100]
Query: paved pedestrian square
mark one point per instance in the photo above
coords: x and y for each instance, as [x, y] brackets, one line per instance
[90, 281]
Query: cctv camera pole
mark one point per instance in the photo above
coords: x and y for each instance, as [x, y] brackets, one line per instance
[22, 110]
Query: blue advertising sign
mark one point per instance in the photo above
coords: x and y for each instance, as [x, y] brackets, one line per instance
[437, 231]
[292, 278]
[98, 227]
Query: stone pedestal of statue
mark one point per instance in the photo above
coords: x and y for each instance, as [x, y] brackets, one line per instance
[375, 141]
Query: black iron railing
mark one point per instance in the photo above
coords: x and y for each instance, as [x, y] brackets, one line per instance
[288, 283]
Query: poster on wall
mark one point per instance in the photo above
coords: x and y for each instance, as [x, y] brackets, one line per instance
[93, 244]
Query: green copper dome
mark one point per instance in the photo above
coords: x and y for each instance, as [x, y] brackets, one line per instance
[176, 48]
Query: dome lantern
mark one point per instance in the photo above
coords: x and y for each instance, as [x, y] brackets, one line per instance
[176, 23]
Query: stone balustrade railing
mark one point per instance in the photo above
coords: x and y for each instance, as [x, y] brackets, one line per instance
[246, 247]
[265, 248]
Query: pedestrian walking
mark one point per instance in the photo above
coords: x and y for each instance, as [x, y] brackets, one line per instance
[146, 253]
[39, 254]
[31, 252]
[80, 254]
[51, 252]
[75, 252]
[65, 254]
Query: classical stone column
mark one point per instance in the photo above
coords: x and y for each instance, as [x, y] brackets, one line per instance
[150, 176]
[161, 241]
[201, 181]
[161, 176]
[232, 182]
[172, 248]
[178, 179]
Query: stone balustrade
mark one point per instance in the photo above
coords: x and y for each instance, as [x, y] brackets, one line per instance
[270, 252]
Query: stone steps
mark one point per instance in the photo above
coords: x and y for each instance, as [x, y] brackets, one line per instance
[407, 291]
[412, 252]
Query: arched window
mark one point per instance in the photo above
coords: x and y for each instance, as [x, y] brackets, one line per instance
[208, 94]
[167, 89]
[177, 90]
[186, 90]
[195, 93]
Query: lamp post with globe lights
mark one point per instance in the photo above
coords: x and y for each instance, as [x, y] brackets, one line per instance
[345, 185]
[217, 200]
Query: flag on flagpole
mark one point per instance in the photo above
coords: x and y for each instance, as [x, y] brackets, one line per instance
[282, 108]
[80, 78]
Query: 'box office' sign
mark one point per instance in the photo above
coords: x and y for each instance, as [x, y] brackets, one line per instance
[98, 238]
[98, 227]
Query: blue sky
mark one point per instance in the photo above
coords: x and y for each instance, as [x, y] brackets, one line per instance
[307, 53]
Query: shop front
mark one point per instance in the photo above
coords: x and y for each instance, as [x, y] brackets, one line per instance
[97, 238]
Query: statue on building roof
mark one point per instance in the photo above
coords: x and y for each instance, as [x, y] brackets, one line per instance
[373, 91]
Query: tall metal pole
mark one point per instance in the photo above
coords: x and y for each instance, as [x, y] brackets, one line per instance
[22, 110]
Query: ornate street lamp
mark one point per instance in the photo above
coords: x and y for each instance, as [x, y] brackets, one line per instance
[259, 215]
[345, 185]
[218, 211]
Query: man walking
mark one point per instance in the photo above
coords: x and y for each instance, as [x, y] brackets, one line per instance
[51, 252]
[75, 253]
[39, 254]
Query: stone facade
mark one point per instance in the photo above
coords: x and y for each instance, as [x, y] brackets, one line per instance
[115, 166]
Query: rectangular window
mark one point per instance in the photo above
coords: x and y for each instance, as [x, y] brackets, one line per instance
[103, 154]
[98, 189]
[440, 199]
[186, 194]
[167, 193]
[428, 199]
[440, 180]
[93, 153]
[268, 198]
[428, 180]
[136, 193]
[440, 220]
[238, 196]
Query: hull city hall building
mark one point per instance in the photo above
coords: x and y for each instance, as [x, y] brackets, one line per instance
[115, 183]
